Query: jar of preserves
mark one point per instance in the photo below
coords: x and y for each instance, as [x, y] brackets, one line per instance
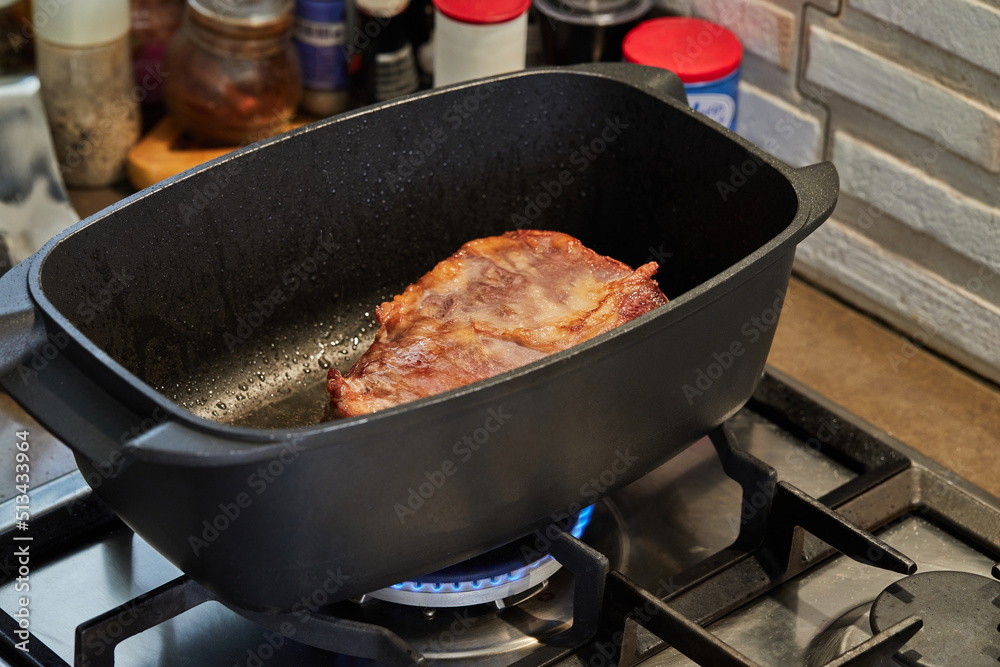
[233, 74]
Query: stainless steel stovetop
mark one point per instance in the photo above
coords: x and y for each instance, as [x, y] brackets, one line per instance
[664, 532]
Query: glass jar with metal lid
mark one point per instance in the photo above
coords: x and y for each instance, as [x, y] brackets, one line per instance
[233, 74]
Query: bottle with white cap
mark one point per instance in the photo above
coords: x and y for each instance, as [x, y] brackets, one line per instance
[84, 65]
[477, 38]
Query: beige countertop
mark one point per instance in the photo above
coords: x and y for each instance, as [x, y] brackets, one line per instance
[879, 375]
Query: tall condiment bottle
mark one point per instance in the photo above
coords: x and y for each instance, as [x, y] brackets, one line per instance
[477, 38]
[382, 62]
[83, 55]
[320, 36]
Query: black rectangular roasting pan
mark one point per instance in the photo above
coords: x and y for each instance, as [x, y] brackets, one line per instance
[177, 340]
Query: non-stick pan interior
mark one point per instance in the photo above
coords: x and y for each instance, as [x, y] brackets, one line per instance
[231, 291]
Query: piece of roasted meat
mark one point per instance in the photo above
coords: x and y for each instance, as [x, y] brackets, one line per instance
[498, 303]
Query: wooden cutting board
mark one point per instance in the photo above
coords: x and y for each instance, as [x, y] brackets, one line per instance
[166, 151]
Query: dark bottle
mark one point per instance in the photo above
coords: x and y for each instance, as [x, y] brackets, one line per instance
[382, 61]
[420, 28]
[154, 23]
[16, 52]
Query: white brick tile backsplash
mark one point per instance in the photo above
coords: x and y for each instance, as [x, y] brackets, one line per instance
[765, 30]
[968, 28]
[908, 194]
[783, 129]
[940, 314]
[962, 124]
[904, 97]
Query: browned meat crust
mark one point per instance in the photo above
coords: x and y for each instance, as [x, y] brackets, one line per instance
[498, 303]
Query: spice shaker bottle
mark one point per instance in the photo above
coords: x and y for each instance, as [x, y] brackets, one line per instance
[477, 38]
[85, 68]
[705, 55]
[320, 30]
[382, 64]
[232, 72]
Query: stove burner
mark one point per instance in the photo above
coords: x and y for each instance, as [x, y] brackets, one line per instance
[489, 577]
[961, 614]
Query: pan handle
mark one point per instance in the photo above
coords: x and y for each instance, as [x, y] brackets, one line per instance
[653, 80]
[36, 372]
[21, 329]
[817, 187]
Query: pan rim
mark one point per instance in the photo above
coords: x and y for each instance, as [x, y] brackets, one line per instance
[682, 306]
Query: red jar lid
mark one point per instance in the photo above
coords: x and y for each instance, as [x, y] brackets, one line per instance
[693, 49]
[482, 11]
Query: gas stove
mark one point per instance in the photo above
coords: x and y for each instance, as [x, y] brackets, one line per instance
[795, 534]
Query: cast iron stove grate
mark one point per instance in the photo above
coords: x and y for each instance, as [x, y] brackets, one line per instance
[609, 609]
